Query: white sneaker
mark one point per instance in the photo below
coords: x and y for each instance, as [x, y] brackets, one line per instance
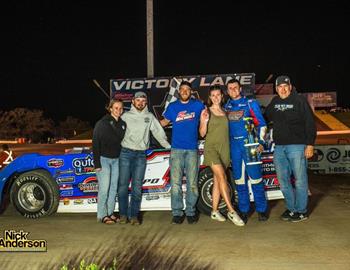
[235, 218]
[217, 216]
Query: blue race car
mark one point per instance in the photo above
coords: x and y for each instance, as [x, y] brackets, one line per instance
[40, 185]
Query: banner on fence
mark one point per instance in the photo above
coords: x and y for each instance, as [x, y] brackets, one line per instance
[162, 90]
[330, 159]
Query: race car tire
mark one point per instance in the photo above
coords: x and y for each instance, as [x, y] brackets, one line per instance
[205, 186]
[35, 194]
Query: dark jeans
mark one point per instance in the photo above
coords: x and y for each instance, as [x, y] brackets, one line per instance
[132, 166]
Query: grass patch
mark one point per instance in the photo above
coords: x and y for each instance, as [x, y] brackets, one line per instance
[158, 251]
[91, 266]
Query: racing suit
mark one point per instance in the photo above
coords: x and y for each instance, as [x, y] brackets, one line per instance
[236, 111]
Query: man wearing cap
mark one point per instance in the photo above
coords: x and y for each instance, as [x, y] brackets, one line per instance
[184, 114]
[132, 161]
[294, 134]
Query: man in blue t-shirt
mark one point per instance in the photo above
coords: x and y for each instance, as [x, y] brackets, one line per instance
[184, 114]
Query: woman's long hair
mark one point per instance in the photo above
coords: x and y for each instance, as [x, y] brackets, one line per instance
[212, 88]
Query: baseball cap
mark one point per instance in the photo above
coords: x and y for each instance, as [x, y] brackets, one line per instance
[186, 83]
[140, 94]
[282, 79]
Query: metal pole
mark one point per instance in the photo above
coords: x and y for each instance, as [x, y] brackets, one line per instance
[150, 58]
[99, 87]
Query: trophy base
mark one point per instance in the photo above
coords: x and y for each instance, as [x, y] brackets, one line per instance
[251, 144]
[254, 163]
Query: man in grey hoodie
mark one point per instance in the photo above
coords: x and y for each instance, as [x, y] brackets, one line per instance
[132, 161]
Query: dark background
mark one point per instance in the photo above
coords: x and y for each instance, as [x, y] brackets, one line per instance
[51, 51]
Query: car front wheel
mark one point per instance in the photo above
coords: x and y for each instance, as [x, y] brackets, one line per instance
[205, 188]
[35, 194]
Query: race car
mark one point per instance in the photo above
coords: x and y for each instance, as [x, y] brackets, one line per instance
[40, 185]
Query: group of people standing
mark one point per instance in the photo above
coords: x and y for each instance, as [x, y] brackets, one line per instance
[120, 140]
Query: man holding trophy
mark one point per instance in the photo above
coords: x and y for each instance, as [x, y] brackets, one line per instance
[247, 130]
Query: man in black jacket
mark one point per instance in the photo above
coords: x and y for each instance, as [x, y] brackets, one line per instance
[294, 134]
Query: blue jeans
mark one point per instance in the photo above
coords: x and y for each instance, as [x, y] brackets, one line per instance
[132, 165]
[107, 186]
[184, 161]
[288, 160]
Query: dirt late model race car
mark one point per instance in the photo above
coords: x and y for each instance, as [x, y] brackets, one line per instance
[39, 185]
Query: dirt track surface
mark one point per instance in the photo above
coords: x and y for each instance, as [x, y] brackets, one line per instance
[322, 242]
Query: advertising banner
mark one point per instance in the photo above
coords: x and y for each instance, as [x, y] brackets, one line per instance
[322, 99]
[158, 88]
[330, 159]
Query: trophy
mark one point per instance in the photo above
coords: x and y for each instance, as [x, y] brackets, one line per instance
[251, 143]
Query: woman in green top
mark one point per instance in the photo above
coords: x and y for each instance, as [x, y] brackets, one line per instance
[214, 126]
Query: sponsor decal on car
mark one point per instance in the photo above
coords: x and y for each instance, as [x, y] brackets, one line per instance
[68, 179]
[268, 167]
[152, 197]
[83, 165]
[66, 201]
[66, 187]
[66, 193]
[55, 163]
[92, 200]
[89, 184]
[59, 172]
[271, 183]
[78, 201]
[151, 181]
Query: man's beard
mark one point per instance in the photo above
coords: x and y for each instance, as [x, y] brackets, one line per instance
[186, 98]
[140, 108]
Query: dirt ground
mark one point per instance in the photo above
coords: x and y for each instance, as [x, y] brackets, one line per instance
[322, 242]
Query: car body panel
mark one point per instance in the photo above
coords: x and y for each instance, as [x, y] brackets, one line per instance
[78, 185]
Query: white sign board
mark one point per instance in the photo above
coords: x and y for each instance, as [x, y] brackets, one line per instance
[330, 159]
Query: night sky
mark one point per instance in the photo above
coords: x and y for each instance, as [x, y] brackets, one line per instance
[52, 50]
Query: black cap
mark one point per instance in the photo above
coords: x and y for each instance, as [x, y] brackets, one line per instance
[186, 83]
[282, 79]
